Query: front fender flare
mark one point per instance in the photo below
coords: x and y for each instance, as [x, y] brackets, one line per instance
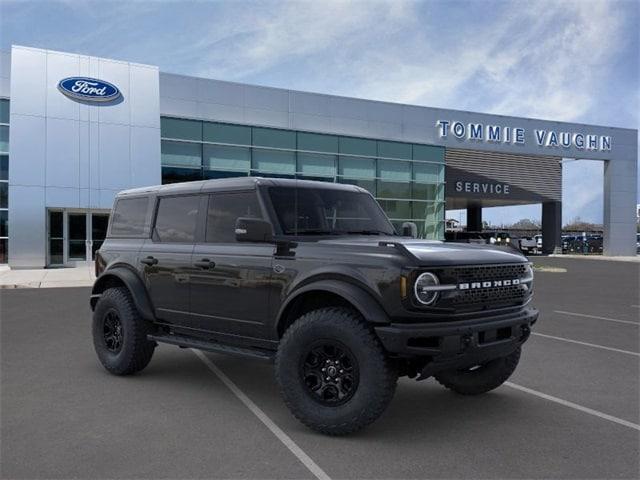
[133, 283]
[362, 301]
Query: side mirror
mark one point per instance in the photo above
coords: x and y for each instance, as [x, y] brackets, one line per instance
[253, 230]
[409, 229]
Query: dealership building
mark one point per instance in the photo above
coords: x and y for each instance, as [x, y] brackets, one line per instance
[75, 130]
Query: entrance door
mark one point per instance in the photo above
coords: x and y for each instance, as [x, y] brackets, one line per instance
[74, 236]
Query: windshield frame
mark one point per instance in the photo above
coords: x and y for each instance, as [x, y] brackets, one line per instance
[279, 230]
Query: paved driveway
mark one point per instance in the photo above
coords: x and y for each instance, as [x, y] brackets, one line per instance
[571, 410]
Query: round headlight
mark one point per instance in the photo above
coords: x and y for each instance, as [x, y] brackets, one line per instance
[423, 288]
[492, 240]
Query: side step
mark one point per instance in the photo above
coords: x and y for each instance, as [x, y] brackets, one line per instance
[211, 346]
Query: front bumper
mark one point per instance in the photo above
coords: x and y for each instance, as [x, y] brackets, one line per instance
[450, 345]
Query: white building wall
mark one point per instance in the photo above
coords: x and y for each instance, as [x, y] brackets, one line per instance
[70, 154]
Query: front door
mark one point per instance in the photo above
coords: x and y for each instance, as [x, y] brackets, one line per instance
[230, 289]
[165, 259]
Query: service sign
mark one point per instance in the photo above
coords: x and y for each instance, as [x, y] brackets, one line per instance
[88, 89]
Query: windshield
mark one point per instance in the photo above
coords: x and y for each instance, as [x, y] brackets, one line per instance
[318, 211]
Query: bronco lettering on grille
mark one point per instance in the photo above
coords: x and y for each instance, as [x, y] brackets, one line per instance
[488, 284]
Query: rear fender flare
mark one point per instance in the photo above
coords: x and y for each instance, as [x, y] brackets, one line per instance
[134, 284]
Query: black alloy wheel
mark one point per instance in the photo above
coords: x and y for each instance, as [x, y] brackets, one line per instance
[112, 331]
[329, 372]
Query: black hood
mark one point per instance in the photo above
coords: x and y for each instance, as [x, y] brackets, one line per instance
[434, 252]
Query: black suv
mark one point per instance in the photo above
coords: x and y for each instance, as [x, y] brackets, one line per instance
[313, 276]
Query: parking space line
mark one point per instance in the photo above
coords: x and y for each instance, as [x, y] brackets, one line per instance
[596, 317]
[575, 406]
[586, 344]
[257, 411]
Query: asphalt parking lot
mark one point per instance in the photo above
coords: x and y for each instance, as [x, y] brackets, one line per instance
[570, 411]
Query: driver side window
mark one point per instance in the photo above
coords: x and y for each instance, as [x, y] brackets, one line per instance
[224, 209]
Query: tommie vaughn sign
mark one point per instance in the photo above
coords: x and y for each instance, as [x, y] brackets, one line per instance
[478, 132]
[88, 89]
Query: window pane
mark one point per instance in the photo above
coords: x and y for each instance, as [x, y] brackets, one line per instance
[4, 111]
[224, 133]
[4, 139]
[176, 175]
[271, 137]
[224, 210]
[4, 223]
[428, 153]
[4, 195]
[394, 150]
[394, 189]
[369, 185]
[355, 167]
[358, 146]
[183, 129]
[313, 164]
[426, 191]
[176, 219]
[129, 217]
[55, 224]
[209, 174]
[4, 251]
[392, 170]
[396, 209]
[274, 161]
[181, 154]
[427, 172]
[56, 249]
[77, 226]
[227, 158]
[4, 167]
[317, 143]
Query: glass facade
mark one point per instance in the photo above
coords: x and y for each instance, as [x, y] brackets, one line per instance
[4, 181]
[407, 179]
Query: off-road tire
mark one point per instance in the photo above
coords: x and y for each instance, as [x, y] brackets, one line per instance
[377, 377]
[135, 351]
[481, 380]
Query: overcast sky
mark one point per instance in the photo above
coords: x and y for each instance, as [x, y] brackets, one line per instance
[556, 60]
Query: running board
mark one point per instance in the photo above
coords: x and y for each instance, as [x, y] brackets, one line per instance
[211, 346]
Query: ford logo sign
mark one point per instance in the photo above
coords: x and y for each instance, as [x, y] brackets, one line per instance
[89, 89]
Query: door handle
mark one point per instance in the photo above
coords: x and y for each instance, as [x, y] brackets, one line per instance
[205, 263]
[149, 261]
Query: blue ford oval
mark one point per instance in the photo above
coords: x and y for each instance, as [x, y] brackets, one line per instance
[89, 89]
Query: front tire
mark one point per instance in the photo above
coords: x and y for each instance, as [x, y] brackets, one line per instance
[481, 378]
[120, 333]
[333, 373]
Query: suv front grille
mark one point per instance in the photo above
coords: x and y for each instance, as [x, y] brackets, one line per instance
[471, 299]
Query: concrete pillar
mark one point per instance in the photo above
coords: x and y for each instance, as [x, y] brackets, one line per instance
[474, 218]
[552, 227]
[620, 198]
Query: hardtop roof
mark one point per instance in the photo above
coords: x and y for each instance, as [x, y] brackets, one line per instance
[235, 183]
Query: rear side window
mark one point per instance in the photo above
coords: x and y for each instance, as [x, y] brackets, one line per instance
[224, 210]
[176, 219]
[129, 216]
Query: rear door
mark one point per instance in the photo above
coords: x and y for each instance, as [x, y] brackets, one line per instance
[166, 257]
[230, 290]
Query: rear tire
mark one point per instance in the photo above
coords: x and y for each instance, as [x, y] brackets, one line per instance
[480, 379]
[358, 380]
[120, 333]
